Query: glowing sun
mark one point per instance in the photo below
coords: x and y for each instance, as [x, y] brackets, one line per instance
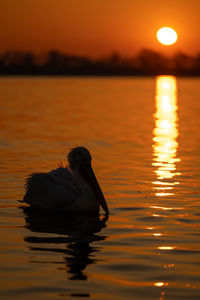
[167, 36]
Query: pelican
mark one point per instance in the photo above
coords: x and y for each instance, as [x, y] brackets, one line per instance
[72, 189]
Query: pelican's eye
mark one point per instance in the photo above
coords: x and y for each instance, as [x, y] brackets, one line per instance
[86, 162]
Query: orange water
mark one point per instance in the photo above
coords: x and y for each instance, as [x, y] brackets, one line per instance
[143, 134]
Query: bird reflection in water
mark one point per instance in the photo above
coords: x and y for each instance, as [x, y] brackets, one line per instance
[77, 232]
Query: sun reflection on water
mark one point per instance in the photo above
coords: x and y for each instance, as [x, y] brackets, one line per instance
[165, 133]
[166, 247]
[159, 284]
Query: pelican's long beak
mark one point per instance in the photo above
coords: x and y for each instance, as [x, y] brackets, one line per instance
[88, 173]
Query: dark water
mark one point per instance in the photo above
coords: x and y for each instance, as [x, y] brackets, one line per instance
[144, 138]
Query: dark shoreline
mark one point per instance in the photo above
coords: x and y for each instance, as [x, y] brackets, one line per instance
[54, 63]
[97, 76]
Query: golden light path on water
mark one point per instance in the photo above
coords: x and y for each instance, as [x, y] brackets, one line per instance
[165, 135]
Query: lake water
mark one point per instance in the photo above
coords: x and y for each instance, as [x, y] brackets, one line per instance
[143, 134]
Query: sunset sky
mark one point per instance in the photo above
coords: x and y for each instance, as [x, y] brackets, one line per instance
[98, 27]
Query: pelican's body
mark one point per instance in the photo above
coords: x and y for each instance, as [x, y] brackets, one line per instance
[72, 189]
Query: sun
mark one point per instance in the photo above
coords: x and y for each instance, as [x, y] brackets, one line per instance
[167, 36]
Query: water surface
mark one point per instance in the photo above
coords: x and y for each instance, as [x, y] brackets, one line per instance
[143, 134]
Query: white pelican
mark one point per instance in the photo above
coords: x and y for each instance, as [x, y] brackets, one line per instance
[71, 189]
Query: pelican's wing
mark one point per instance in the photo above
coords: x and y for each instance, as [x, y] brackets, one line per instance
[54, 190]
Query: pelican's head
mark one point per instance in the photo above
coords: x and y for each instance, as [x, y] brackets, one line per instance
[78, 156]
[79, 159]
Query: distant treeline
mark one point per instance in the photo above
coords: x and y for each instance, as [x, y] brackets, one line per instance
[146, 62]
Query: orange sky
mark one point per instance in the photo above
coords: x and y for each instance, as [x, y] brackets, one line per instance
[97, 27]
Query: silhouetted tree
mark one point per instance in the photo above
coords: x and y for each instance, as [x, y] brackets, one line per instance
[152, 62]
[183, 64]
